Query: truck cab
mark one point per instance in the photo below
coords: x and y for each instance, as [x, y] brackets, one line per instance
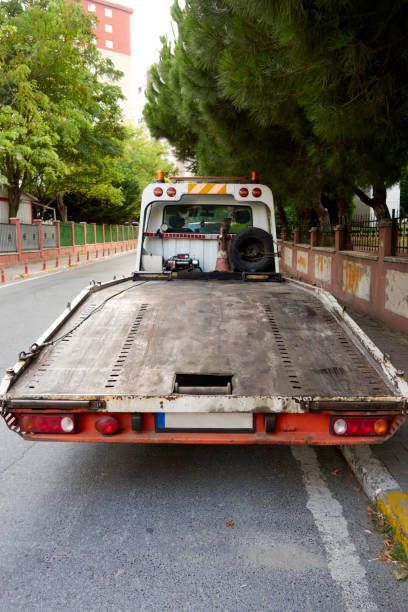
[187, 216]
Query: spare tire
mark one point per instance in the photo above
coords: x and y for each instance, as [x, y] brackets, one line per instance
[252, 251]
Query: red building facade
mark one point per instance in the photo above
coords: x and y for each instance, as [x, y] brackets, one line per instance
[112, 30]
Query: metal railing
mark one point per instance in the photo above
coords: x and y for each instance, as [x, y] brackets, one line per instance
[325, 236]
[29, 237]
[49, 236]
[399, 236]
[361, 234]
[8, 238]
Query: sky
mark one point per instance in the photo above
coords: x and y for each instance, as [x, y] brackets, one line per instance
[151, 20]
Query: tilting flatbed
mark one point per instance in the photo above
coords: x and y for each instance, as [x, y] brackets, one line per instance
[160, 347]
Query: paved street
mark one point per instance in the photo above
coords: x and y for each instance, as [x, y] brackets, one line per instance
[128, 527]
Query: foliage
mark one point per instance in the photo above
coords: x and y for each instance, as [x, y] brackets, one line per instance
[60, 116]
[312, 94]
[140, 159]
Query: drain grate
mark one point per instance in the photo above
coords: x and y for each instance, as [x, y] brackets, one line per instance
[126, 347]
[282, 348]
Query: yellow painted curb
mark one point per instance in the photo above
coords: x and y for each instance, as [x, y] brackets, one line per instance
[394, 506]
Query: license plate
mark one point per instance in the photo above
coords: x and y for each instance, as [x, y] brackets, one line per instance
[205, 422]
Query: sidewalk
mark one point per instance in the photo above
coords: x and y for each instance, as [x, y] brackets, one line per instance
[21, 271]
[394, 453]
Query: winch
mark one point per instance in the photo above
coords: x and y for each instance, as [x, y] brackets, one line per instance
[182, 261]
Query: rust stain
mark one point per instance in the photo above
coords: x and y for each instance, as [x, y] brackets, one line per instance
[352, 277]
[301, 260]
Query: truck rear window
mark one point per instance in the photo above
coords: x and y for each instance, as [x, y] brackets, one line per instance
[199, 219]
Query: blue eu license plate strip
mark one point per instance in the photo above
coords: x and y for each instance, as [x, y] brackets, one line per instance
[205, 422]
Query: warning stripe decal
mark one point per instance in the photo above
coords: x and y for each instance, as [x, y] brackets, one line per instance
[210, 188]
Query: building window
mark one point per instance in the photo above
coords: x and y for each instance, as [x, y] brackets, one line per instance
[108, 28]
[109, 44]
[108, 12]
[139, 90]
[91, 7]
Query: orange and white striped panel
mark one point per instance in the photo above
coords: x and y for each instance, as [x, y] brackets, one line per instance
[208, 188]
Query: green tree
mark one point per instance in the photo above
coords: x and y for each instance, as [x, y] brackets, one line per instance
[129, 173]
[313, 93]
[60, 116]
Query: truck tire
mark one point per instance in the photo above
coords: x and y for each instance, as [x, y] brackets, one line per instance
[252, 251]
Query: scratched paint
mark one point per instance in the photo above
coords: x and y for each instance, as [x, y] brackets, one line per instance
[357, 279]
[323, 268]
[302, 262]
[288, 257]
[396, 292]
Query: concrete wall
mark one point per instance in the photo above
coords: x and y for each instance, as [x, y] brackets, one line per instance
[373, 283]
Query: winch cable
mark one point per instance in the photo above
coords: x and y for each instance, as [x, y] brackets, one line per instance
[34, 348]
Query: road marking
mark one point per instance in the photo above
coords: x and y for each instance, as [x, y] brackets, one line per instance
[342, 557]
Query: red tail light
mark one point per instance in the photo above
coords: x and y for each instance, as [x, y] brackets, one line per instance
[257, 192]
[158, 192]
[243, 192]
[107, 425]
[360, 426]
[171, 192]
[47, 423]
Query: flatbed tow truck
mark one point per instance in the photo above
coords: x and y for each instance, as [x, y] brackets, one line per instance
[206, 342]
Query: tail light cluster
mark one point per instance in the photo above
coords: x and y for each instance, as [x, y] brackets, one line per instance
[47, 423]
[256, 192]
[360, 426]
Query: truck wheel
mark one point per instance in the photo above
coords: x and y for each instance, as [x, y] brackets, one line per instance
[252, 251]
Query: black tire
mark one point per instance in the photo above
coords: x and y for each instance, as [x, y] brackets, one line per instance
[252, 251]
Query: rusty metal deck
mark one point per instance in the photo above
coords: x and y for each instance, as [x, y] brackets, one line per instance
[274, 339]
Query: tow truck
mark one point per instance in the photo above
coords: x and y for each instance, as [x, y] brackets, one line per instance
[206, 343]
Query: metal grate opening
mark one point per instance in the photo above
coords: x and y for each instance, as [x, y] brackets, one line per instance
[283, 351]
[127, 346]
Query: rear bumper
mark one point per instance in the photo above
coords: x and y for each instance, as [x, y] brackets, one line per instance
[290, 429]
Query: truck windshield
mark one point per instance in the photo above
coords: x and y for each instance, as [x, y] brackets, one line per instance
[199, 219]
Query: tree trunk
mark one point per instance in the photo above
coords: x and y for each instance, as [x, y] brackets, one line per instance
[62, 209]
[283, 218]
[378, 202]
[14, 194]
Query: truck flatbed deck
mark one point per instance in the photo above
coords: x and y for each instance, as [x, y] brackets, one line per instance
[281, 341]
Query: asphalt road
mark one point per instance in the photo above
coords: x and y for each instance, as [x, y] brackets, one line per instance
[123, 527]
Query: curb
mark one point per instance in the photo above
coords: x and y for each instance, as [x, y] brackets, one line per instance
[381, 489]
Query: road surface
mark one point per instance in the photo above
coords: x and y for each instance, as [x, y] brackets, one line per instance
[123, 527]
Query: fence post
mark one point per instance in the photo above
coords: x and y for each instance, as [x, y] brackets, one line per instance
[385, 239]
[94, 233]
[339, 238]
[57, 225]
[39, 224]
[296, 236]
[15, 221]
[83, 223]
[103, 237]
[313, 236]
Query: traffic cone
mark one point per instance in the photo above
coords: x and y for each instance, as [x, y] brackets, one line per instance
[3, 278]
[222, 264]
